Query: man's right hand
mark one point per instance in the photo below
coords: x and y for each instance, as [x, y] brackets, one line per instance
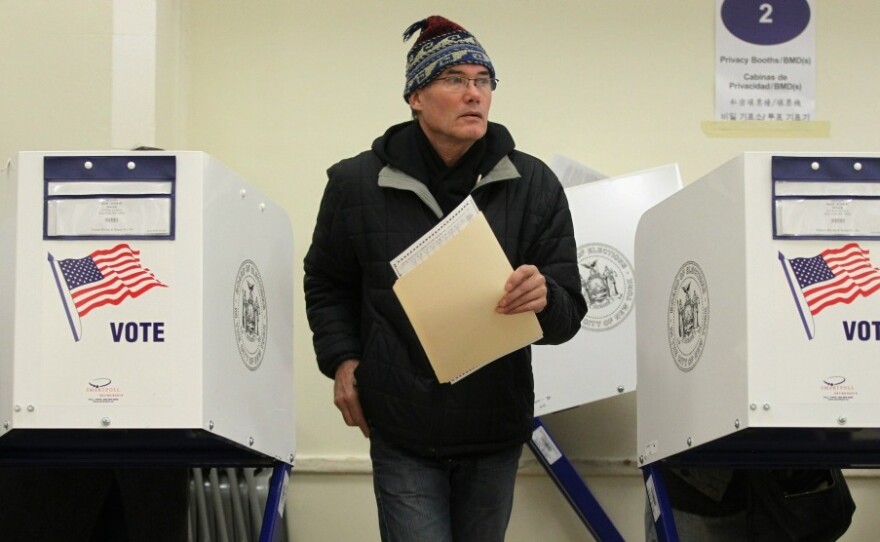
[345, 396]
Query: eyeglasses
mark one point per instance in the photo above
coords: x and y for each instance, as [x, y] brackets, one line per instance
[460, 83]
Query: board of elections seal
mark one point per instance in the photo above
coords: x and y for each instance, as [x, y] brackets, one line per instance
[607, 284]
[250, 316]
[688, 317]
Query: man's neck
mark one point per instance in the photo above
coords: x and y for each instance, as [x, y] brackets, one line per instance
[449, 151]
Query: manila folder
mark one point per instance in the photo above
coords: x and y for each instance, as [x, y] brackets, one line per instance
[450, 299]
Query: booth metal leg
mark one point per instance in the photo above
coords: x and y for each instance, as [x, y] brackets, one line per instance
[274, 510]
[664, 522]
[571, 485]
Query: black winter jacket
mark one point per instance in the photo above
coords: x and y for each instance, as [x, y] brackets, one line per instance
[370, 212]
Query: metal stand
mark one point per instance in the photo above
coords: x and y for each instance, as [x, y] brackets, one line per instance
[659, 501]
[274, 511]
[571, 485]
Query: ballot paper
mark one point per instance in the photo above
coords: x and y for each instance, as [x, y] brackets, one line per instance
[447, 228]
[450, 282]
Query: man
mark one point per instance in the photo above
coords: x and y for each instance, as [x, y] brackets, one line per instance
[444, 455]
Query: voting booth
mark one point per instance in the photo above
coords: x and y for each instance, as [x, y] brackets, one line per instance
[758, 320]
[600, 361]
[147, 312]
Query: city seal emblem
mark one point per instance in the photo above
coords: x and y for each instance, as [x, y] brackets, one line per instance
[607, 284]
[250, 316]
[688, 316]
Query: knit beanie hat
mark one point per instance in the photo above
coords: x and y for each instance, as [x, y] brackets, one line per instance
[441, 43]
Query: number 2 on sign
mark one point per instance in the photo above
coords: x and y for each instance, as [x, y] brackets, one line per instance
[767, 17]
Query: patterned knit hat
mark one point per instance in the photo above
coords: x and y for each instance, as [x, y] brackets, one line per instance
[441, 44]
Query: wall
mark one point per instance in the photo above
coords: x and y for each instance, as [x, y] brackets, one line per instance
[55, 87]
[279, 90]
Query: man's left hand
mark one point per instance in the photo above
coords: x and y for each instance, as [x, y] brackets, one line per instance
[526, 290]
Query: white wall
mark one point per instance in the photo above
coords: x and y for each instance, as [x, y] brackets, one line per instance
[279, 90]
[54, 75]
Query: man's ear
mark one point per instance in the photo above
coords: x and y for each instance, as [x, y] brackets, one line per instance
[415, 100]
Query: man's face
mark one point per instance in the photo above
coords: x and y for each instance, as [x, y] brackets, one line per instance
[454, 116]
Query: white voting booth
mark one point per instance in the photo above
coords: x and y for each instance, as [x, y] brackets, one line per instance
[756, 305]
[600, 361]
[147, 311]
[757, 325]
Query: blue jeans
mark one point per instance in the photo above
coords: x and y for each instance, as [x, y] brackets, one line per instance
[423, 499]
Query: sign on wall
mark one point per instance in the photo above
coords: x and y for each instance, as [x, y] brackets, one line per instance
[765, 60]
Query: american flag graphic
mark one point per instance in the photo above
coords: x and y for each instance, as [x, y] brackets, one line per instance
[106, 277]
[839, 275]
